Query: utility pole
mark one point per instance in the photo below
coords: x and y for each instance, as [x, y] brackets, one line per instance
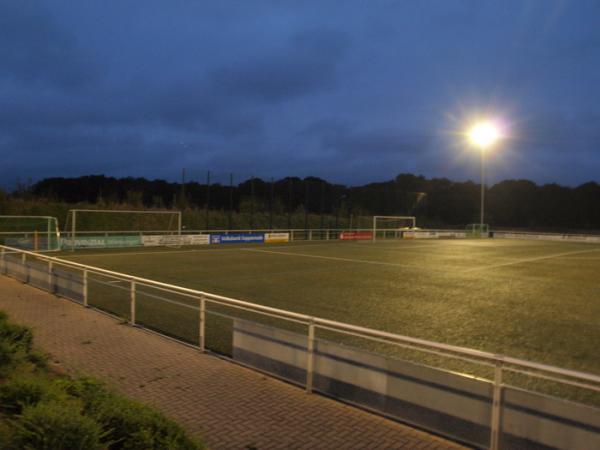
[271, 205]
[229, 217]
[182, 202]
[207, 197]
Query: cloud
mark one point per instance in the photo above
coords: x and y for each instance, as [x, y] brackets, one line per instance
[305, 65]
[355, 93]
[34, 48]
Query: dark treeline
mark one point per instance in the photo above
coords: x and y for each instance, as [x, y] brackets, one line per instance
[436, 202]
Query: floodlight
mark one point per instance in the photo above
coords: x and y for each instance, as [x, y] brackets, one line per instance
[483, 135]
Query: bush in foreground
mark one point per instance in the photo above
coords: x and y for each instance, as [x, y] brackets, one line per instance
[42, 411]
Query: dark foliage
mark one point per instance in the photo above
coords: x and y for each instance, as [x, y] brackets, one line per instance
[437, 202]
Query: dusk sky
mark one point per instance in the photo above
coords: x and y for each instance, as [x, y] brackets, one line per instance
[351, 91]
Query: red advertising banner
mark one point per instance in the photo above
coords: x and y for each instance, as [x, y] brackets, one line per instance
[356, 235]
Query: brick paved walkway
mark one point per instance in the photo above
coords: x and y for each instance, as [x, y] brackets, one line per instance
[229, 406]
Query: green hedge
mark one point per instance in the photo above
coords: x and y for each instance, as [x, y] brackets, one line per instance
[40, 410]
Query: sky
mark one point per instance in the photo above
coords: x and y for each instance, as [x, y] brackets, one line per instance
[350, 91]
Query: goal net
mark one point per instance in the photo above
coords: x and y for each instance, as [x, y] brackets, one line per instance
[99, 222]
[477, 230]
[391, 227]
[35, 233]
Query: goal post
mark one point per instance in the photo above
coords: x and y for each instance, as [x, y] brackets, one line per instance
[36, 233]
[116, 221]
[397, 223]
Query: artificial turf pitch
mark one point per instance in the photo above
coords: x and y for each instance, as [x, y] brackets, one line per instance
[536, 300]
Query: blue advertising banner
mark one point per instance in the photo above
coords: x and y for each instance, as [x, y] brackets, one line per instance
[237, 238]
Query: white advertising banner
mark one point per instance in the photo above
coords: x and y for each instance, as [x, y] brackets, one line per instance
[175, 239]
[434, 234]
[547, 237]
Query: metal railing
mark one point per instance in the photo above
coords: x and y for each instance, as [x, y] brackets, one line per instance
[198, 303]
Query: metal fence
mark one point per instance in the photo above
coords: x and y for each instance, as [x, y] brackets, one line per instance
[296, 234]
[488, 407]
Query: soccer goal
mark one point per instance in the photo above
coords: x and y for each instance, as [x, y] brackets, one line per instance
[35, 233]
[477, 230]
[385, 227]
[103, 222]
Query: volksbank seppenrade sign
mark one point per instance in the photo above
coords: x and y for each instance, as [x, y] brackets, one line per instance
[237, 238]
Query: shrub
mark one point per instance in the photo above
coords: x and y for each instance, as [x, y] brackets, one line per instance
[7, 352]
[56, 426]
[18, 393]
[38, 359]
[91, 392]
[6, 435]
[137, 427]
[17, 335]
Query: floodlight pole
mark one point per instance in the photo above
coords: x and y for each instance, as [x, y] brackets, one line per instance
[481, 212]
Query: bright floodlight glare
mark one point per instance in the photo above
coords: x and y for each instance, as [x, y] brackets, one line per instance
[484, 134]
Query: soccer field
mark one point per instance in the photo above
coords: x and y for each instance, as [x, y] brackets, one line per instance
[535, 300]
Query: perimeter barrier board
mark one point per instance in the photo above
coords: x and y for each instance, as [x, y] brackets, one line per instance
[32, 242]
[67, 284]
[273, 238]
[237, 238]
[175, 240]
[448, 403]
[101, 242]
[13, 266]
[38, 274]
[356, 235]
[546, 236]
[434, 234]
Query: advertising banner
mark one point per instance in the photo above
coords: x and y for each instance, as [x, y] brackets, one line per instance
[237, 238]
[175, 239]
[547, 236]
[101, 242]
[356, 235]
[434, 234]
[271, 238]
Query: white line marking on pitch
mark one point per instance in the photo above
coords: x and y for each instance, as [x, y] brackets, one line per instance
[333, 258]
[391, 248]
[526, 260]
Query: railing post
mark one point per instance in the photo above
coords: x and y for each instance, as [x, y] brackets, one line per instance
[25, 268]
[202, 325]
[85, 288]
[327, 234]
[50, 277]
[310, 235]
[291, 235]
[132, 306]
[2, 259]
[496, 407]
[310, 357]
